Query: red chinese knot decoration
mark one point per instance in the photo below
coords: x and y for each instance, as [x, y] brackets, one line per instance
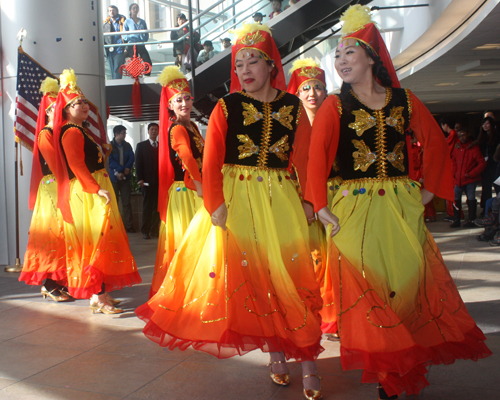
[135, 67]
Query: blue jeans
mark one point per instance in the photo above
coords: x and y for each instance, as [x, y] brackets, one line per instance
[469, 189]
[116, 60]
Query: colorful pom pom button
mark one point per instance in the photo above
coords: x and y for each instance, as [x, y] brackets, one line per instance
[232, 174]
[249, 177]
[396, 190]
[362, 191]
[381, 192]
[345, 193]
[184, 189]
[392, 294]
[105, 175]
[241, 177]
[287, 177]
[355, 192]
[244, 263]
[260, 178]
[413, 184]
[331, 188]
[178, 189]
[211, 275]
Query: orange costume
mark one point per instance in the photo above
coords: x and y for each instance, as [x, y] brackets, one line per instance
[97, 247]
[398, 308]
[180, 158]
[251, 286]
[45, 256]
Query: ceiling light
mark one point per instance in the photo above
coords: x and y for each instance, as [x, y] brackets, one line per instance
[479, 74]
[473, 112]
[447, 84]
[484, 99]
[488, 46]
[432, 102]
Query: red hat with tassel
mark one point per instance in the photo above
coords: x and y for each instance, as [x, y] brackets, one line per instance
[257, 37]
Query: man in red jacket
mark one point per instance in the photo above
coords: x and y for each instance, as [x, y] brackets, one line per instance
[468, 163]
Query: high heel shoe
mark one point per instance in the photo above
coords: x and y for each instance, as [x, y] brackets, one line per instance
[99, 304]
[311, 394]
[279, 379]
[54, 294]
[112, 301]
[382, 395]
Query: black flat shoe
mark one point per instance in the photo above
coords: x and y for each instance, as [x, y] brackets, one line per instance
[146, 236]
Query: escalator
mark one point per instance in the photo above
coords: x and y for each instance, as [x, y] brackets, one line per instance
[292, 29]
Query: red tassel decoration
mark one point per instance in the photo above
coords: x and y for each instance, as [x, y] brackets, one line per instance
[136, 99]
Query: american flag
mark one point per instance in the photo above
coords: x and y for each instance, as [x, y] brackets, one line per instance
[30, 75]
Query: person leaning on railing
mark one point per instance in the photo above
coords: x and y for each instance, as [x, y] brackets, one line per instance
[134, 23]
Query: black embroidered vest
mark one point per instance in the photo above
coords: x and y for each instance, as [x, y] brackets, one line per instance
[93, 156]
[372, 143]
[260, 134]
[45, 167]
[197, 145]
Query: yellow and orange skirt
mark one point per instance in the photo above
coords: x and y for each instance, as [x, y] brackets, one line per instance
[398, 308]
[45, 256]
[182, 206]
[249, 287]
[97, 245]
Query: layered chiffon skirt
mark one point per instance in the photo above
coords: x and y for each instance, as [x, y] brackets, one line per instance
[97, 245]
[398, 309]
[251, 286]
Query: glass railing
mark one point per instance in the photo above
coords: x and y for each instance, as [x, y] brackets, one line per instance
[213, 23]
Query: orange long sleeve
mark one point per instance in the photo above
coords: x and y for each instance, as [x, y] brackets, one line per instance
[301, 149]
[322, 151]
[73, 145]
[213, 160]
[181, 144]
[46, 147]
[437, 174]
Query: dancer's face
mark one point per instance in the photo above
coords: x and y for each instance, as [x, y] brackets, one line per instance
[253, 71]
[181, 105]
[352, 62]
[312, 93]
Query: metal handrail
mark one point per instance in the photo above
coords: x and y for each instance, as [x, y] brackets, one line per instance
[236, 23]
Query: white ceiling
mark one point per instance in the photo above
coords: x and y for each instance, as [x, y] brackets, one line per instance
[468, 94]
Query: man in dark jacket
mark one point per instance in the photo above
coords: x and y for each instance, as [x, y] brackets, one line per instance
[116, 54]
[146, 165]
[468, 163]
[121, 161]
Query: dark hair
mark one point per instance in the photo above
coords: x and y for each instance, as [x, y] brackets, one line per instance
[118, 129]
[153, 124]
[208, 43]
[226, 39]
[257, 14]
[483, 137]
[130, 7]
[447, 120]
[115, 7]
[379, 72]
[181, 15]
[464, 130]
[274, 72]
[490, 111]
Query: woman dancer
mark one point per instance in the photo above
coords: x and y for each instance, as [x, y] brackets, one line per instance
[308, 82]
[97, 249]
[134, 23]
[399, 310]
[242, 278]
[45, 257]
[181, 151]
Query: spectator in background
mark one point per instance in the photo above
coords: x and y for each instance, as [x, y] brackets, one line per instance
[115, 54]
[134, 23]
[121, 161]
[276, 5]
[468, 164]
[488, 141]
[226, 43]
[207, 53]
[258, 17]
[174, 35]
[146, 165]
[447, 124]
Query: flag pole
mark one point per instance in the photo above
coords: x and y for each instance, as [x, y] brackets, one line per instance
[17, 267]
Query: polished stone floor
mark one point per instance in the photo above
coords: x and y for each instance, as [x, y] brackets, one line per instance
[61, 351]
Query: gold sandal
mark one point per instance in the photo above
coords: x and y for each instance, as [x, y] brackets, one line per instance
[311, 394]
[103, 307]
[279, 379]
[61, 297]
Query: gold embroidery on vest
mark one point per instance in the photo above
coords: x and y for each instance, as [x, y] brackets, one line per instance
[364, 157]
[248, 148]
[266, 135]
[198, 141]
[381, 145]
[397, 156]
[280, 148]
[396, 119]
[410, 104]
[284, 117]
[224, 107]
[363, 122]
[251, 114]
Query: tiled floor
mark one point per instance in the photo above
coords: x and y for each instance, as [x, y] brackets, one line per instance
[61, 351]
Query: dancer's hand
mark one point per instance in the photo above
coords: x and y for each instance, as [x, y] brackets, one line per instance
[199, 189]
[309, 211]
[327, 218]
[219, 216]
[105, 194]
[426, 196]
